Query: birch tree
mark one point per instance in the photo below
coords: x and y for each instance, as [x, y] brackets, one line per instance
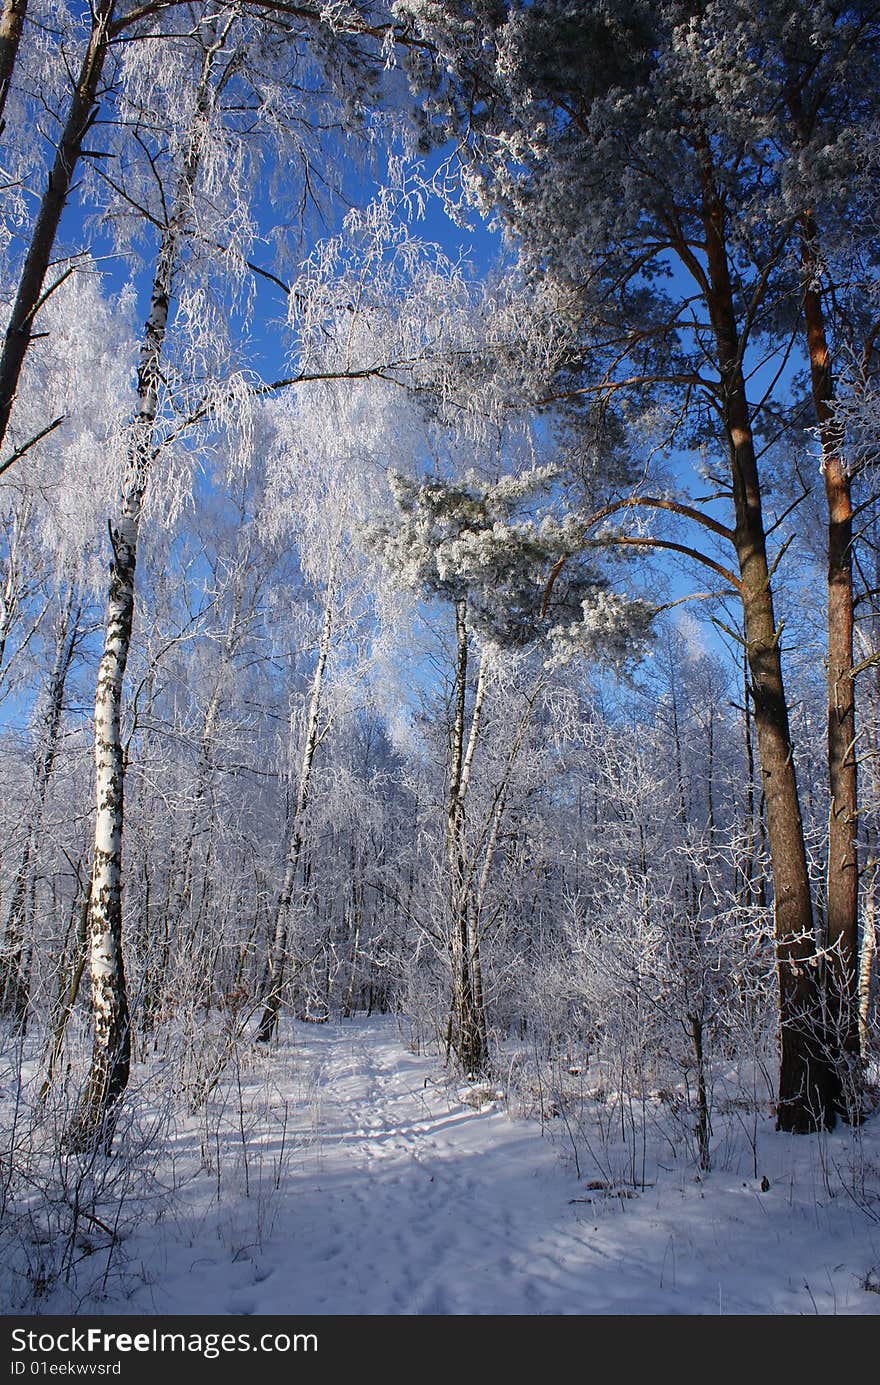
[53, 517]
[109, 1071]
[191, 178]
[325, 472]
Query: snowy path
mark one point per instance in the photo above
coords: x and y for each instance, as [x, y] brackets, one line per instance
[423, 1209]
[396, 1198]
[408, 1205]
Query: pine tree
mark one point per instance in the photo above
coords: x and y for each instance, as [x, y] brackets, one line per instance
[680, 171]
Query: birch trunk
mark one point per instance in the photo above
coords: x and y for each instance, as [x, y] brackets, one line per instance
[869, 649]
[12, 579]
[94, 1122]
[11, 23]
[70, 979]
[868, 961]
[95, 1119]
[348, 1003]
[467, 1017]
[753, 892]
[488, 845]
[15, 982]
[354, 918]
[277, 960]
[181, 898]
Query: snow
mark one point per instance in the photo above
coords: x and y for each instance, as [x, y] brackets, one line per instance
[340, 1173]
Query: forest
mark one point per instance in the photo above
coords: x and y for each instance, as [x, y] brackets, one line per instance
[439, 605]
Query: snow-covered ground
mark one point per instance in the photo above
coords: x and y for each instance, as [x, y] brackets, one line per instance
[341, 1174]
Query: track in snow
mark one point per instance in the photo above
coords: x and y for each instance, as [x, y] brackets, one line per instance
[395, 1197]
[415, 1203]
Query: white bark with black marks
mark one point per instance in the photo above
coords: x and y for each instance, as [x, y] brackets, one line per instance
[277, 960]
[95, 1119]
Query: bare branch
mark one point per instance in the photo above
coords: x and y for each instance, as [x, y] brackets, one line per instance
[32, 442]
[630, 541]
[659, 503]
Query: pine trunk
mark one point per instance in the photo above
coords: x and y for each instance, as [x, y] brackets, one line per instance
[842, 890]
[808, 1094]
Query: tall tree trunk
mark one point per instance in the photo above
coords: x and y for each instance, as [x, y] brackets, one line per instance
[842, 893]
[94, 1121]
[467, 1019]
[181, 894]
[72, 969]
[354, 920]
[808, 1086]
[31, 287]
[277, 960]
[354, 962]
[868, 961]
[10, 594]
[15, 986]
[869, 642]
[753, 892]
